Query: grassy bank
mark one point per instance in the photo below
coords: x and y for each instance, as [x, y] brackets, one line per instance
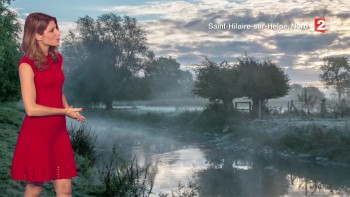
[323, 140]
[10, 121]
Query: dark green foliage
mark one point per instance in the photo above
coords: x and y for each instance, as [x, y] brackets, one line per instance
[103, 60]
[217, 82]
[213, 116]
[216, 117]
[10, 120]
[252, 78]
[83, 142]
[336, 74]
[167, 80]
[316, 139]
[9, 114]
[9, 54]
[309, 96]
[261, 80]
[120, 179]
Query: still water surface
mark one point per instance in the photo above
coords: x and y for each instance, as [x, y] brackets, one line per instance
[185, 158]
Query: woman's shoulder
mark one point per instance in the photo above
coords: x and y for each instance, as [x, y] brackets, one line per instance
[27, 60]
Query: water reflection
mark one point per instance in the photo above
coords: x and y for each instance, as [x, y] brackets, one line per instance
[178, 167]
[242, 174]
[175, 159]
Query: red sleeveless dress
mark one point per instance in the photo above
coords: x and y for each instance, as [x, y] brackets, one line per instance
[43, 151]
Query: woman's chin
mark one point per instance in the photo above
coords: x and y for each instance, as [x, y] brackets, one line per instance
[55, 44]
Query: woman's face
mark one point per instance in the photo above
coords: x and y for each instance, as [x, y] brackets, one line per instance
[51, 35]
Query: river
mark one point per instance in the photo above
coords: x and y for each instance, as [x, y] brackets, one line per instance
[184, 158]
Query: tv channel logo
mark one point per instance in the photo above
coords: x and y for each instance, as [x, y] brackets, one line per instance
[320, 24]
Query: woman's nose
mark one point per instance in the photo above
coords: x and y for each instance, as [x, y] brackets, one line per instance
[58, 32]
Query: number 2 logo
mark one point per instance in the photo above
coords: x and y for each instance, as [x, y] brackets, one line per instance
[320, 24]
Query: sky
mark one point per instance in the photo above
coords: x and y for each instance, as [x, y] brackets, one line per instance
[189, 30]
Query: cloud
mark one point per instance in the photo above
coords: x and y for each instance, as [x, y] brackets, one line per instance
[296, 44]
[298, 49]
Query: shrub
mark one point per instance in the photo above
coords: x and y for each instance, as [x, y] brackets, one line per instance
[183, 191]
[83, 142]
[120, 179]
[215, 116]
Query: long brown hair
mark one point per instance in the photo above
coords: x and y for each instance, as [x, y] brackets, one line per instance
[37, 23]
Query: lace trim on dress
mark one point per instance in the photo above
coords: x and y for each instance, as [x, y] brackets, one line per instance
[62, 172]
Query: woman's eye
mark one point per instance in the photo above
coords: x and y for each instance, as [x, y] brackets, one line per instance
[53, 29]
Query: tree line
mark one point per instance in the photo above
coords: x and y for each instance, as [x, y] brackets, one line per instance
[250, 77]
[108, 59]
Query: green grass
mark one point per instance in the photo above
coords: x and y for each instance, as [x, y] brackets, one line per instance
[10, 121]
[317, 139]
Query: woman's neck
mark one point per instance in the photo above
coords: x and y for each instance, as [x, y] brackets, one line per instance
[44, 49]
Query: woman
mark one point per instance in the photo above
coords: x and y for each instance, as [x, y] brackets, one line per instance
[44, 152]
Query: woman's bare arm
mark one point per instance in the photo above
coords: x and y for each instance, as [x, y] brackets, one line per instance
[64, 101]
[26, 76]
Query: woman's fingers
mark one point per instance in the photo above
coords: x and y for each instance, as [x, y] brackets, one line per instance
[80, 118]
[74, 113]
[77, 109]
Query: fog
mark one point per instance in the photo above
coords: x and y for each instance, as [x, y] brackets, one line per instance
[183, 157]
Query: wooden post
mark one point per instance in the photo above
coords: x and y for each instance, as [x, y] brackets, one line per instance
[259, 109]
[288, 106]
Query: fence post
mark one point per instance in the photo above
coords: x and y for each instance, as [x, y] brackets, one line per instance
[259, 109]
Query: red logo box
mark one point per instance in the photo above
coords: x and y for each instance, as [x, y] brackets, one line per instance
[320, 24]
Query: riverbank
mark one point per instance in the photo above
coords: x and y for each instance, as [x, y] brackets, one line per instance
[320, 139]
[325, 141]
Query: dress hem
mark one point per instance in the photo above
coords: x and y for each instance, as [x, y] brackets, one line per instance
[48, 180]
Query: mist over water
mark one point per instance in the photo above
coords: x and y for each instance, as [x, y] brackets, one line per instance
[171, 159]
[184, 157]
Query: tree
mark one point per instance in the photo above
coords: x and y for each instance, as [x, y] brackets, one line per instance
[294, 90]
[217, 82]
[9, 54]
[261, 80]
[309, 96]
[105, 58]
[166, 79]
[257, 80]
[336, 74]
